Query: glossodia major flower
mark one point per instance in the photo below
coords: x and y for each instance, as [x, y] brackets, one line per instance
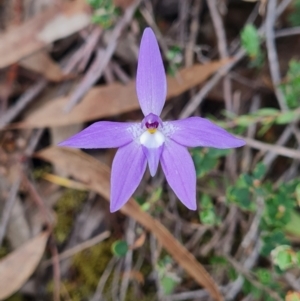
[153, 140]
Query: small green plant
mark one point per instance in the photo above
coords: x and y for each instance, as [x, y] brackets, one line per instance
[207, 212]
[247, 188]
[168, 280]
[294, 16]
[285, 257]
[278, 213]
[175, 58]
[266, 117]
[146, 203]
[291, 86]
[206, 159]
[119, 248]
[251, 43]
[105, 12]
[264, 277]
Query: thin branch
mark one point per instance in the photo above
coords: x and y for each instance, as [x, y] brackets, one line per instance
[199, 295]
[98, 294]
[22, 102]
[194, 29]
[9, 204]
[80, 247]
[277, 149]
[247, 152]
[130, 236]
[282, 140]
[243, 270]
[99, 65]
[272, 54]
[282, 6]
[219, 28]
[287, 32]
[56, 268]
[199, 97]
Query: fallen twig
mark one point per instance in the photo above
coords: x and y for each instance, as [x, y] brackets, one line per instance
[279, 150]
[99, 65]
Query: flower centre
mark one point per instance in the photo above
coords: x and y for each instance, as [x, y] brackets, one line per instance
[152, 136]
[151, 123]
[152, 126]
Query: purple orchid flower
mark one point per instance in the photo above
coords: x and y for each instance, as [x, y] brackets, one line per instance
[152, 141]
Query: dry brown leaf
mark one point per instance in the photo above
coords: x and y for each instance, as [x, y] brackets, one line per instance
[292, 296]
[139, 242]
[122, 3]
[96, 176]
[113, 99]
[53, 24]
[40, 62]
[135, 275]
[18, 266]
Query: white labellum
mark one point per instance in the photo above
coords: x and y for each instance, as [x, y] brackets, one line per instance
[154, 140]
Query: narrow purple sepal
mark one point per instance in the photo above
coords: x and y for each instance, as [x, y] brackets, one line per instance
[103, 134]
[153, 157]
[180, 173]
[196, 131]
[151, 85]
[128, 168]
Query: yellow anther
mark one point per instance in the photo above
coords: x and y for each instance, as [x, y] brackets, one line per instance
[152, 131]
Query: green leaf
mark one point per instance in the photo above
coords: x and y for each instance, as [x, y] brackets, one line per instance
[251, 41]
[168, 284]
[249, 288]
[278, 208]
[284, 257]
[291, 86]
[265, 112]
[264, 276]
[174, 55]
[286, 117]
[293, 226]
[259, 171]
[119, 248]
[247, 180]
[241, 196]
[218, 260]
[208, 217]
[217, 153]
[297, 192]
[203, 162]
[206, 201]
[245, 120]
[272, 240]
[95, 3]
[294, 15]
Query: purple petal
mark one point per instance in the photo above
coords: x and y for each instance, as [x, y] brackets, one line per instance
[196, 131]
[128, 168]
[151, 86]
[179, 169]
[153, 156]
[103, 134]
